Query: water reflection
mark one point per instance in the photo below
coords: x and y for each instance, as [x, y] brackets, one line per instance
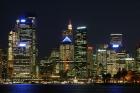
[39, 88]
[22, 88]
[115, 89]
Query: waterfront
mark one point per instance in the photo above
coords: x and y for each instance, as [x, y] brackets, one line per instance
[73, 88]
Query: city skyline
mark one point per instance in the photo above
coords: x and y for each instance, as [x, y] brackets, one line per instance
[74, 58]
[101, 19]
[72, 52]
[69, 46]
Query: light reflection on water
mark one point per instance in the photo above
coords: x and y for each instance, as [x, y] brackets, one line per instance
[115, 89]
[36, 88]
[22, 88]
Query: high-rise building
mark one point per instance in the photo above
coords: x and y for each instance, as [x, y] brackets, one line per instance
[138, 57]
[1, 62]
[121, 59]
[90, 63]
[3, 59]
[81, 51]
[112, 65]
[101, 55]
[116, 40]
[67, 50]
[54, 60]
[22, 51]
[138, 52]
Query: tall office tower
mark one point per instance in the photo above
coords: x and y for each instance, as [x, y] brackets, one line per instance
[138, 57]
[90, 64]
[12, 38]
[121, 59]
[67, 49]
[112, 65]
[22, 51]
[1, 64]
[116, 40]
[138, 52]
[81, 51]
[54, 61]
[101, 56]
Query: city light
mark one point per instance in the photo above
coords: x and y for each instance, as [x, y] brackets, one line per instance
[115, 46]
[17, 21]
[22, 44]
[67, 39]
[74, 61]
[116, 34]
[82, 27]
[23, 20]
[101, 50]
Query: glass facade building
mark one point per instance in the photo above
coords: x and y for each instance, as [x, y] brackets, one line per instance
[22, 51]
[81, 51]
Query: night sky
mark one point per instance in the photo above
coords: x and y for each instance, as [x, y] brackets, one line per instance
[101, 18]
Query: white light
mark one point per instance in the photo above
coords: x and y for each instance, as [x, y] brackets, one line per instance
[22, 20]
[17, 21]
[75, 80]
[101, 50]
[32, 21]
[22, 44]
[70, 27]
[116, 34]
[115, 46]
[82, 27]
[129, 59]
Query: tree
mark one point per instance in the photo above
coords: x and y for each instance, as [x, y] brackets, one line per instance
[117, 76]
[106, 77]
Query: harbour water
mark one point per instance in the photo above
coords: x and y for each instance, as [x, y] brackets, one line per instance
[55, 88]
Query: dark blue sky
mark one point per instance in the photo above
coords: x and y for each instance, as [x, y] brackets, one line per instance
[101, 18]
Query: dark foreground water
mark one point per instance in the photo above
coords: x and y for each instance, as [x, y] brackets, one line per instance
[35, 88]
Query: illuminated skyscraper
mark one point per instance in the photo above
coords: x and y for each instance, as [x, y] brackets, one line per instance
[22, 51]
[81, 51]
[101, 56]
[67, 49]
[90, 64]
[1, 62]
[138, 57]
[112, 65]
[138, 52]
[116, 40]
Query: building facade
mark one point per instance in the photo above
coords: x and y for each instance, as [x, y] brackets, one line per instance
[90, 63]
[116, 40]
[67, 51]
[137, 57]
[22, 51]
[80, 51]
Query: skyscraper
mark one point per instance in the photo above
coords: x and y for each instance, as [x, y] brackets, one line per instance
[138, 57]
[101, 57]
[116, 40]
[138, 52]
[22, 51]
[67, 49]
[1, 64]
[90, 64]
[81, 51]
